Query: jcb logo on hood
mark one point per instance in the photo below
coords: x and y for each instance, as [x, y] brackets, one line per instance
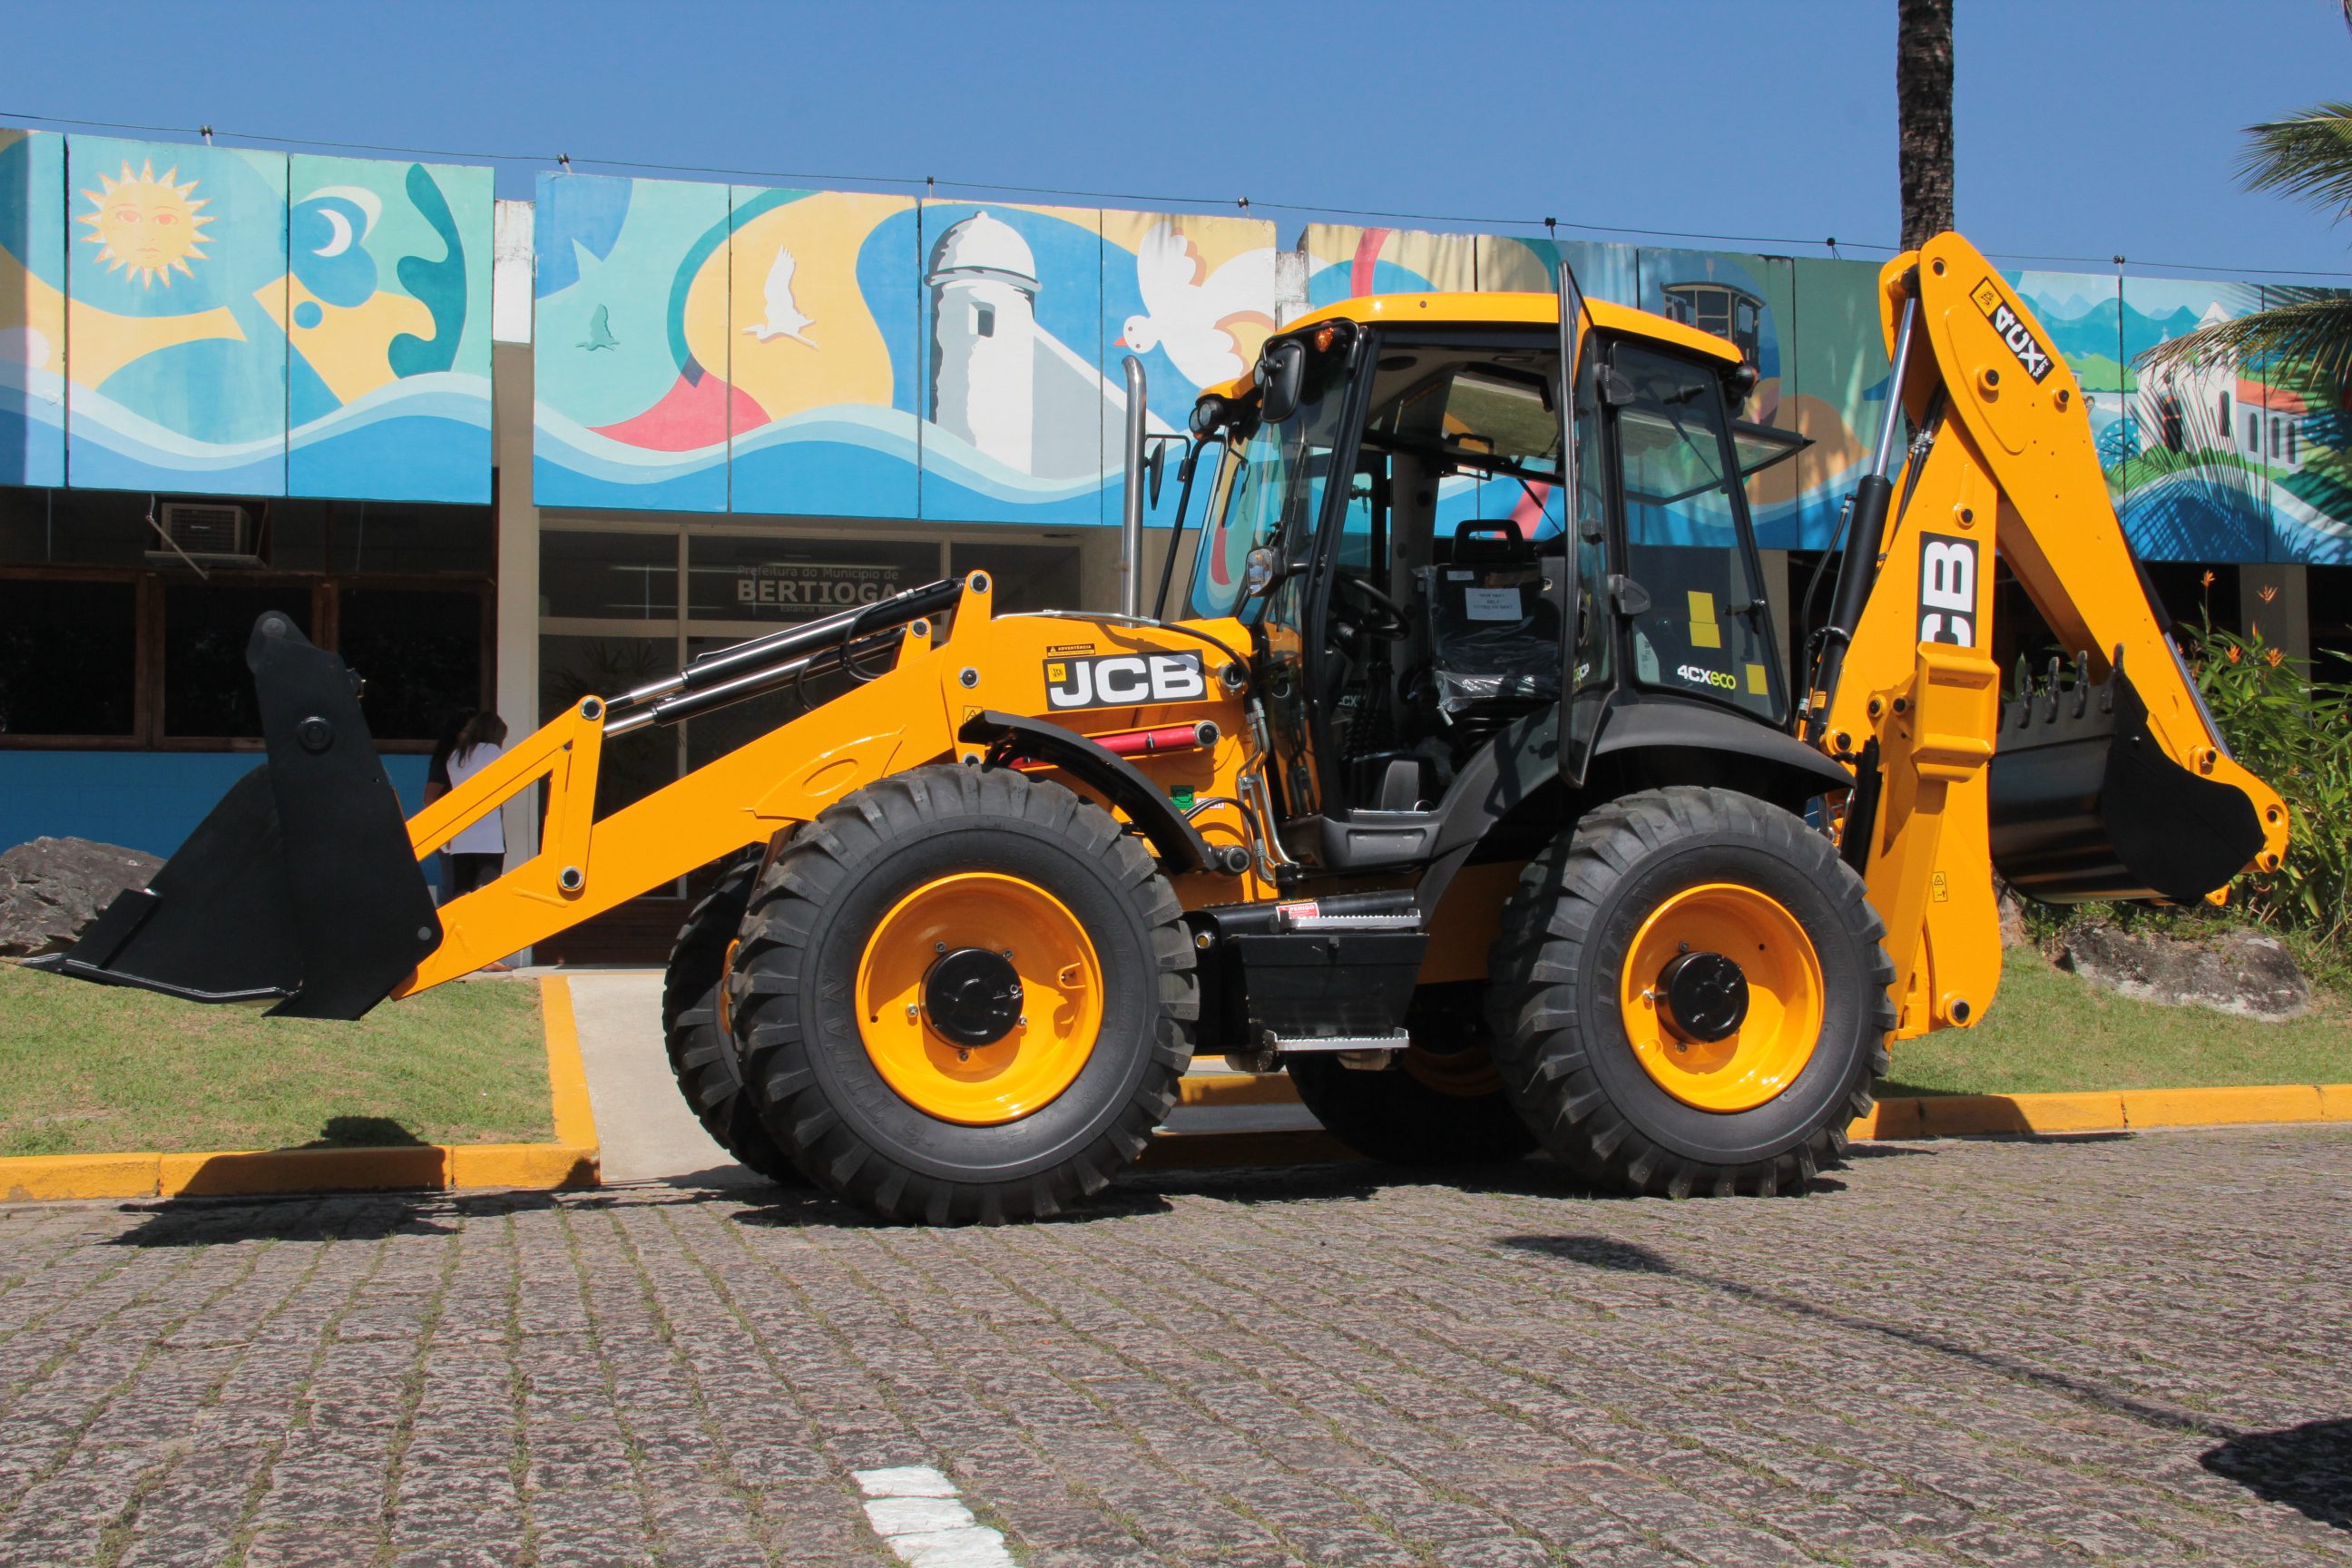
[1124, 680]
[2012, 330]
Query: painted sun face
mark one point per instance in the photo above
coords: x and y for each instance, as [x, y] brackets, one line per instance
[146, 224]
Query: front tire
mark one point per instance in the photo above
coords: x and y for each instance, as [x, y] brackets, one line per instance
[1646, 901]
[962, 995]
[1441, 1103]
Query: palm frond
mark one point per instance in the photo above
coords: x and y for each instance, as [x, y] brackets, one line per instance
[2307, 156]
[2311, 330]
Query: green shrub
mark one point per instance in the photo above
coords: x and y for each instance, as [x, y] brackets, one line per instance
[2294, 731]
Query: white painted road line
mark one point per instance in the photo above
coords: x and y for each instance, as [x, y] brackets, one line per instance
[915, 1510]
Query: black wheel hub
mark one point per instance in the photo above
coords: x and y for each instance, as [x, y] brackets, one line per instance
[1703, 996]
[973, 996]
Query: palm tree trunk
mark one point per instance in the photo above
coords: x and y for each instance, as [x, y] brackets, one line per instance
[1923, 96]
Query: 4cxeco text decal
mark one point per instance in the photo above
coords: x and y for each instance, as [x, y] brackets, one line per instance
[2012, 330]
[1124, 679]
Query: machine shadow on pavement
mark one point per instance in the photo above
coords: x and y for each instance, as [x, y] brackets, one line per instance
[2307, 1467]
[1630, 1257]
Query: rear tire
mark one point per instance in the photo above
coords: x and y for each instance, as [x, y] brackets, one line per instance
[837, 1000]
[1760, 1111]
[701, 1057]
[1440, 1103]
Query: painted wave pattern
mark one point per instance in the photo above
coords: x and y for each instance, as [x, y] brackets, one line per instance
[572, 452]
[441, 420]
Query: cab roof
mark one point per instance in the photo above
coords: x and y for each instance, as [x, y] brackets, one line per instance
[1495, 310]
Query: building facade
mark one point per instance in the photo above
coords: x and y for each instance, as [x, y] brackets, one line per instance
[504, 453]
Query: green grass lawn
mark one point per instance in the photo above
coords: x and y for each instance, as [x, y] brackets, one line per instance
[93, 1069]
[2049, 1030]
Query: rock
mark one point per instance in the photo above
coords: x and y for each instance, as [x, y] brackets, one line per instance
[2242, 973]
[53, 888]
[2013, 915]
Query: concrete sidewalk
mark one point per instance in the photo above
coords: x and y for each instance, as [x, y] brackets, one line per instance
[648, 1135]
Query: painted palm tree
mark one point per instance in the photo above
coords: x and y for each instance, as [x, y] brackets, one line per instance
[1922, 102]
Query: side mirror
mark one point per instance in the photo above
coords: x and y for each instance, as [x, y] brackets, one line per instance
[1257, 571]
[1158, 468]
[1282, 375]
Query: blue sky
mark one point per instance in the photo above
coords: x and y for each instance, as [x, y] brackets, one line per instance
[2085, 128]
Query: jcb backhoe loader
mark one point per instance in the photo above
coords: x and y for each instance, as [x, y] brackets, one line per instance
[1486, 812]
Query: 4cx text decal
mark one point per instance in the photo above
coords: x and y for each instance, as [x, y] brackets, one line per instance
[2012, 330]
[1699, 676]
[1948, 590]
[1124, 680]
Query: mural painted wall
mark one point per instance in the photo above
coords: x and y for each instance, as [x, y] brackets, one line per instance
[31, 307]
[708, 349]
[215, 319]
[192, 319]
[2237, 463]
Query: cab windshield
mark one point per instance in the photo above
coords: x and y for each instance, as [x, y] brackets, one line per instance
[1269, 492]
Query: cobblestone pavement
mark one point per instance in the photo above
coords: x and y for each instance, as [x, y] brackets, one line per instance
[2126, 1351]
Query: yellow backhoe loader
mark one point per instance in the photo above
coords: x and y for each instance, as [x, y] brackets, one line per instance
[1483, 807]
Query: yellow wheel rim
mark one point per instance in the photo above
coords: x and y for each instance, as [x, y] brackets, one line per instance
[1772, 1042]
[1061, 998]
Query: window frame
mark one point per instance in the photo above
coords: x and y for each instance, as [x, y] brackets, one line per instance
[147, 698]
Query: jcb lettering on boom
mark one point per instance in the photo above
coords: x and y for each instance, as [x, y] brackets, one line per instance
[1948, 590]
[1123, 681]
[2012, 330]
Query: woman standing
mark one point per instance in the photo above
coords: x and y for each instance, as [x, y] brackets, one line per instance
[478, 853]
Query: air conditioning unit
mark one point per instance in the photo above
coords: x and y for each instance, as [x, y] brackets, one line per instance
[207, 530]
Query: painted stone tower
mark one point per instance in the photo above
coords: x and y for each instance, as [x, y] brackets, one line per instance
[984, 283]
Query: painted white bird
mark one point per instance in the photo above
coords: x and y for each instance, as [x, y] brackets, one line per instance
[1194, 314]
[784, 317]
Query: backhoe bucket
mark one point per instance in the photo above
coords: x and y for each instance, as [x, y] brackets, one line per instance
[2084, 804]
[300, 885]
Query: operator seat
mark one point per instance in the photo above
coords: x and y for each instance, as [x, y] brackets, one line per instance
[1494, 625]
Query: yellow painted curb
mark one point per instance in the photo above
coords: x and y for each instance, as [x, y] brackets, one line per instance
[571, 1161]
[2222, 1107]
[28, 1177]
[1235, 1088]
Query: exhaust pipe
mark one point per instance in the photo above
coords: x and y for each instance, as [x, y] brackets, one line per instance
[1130, 523]
[301, 886]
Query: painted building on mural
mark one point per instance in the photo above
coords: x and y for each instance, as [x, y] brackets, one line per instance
[705, 409]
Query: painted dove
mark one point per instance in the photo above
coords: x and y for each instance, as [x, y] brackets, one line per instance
[784, 317]
[600, 330]
[1194, 314]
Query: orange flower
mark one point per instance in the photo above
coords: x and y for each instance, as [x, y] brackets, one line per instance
[2269, 592]
[2206, 581]
[2233, 651]
[2275, 656]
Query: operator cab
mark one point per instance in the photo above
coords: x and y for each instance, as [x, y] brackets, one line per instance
[1395, 531]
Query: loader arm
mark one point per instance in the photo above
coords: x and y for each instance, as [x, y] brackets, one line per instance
[925, 707]
[2113, 785]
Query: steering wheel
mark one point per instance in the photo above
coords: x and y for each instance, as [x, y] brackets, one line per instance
[1378, 615]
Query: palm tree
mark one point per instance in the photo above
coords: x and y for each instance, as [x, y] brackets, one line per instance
[1922, 102]
[2309, 157]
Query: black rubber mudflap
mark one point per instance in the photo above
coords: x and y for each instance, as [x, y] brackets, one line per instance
[300, 884]
[2084, 804]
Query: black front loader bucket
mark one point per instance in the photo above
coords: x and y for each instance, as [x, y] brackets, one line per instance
[2085, 805]
[300, 885]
